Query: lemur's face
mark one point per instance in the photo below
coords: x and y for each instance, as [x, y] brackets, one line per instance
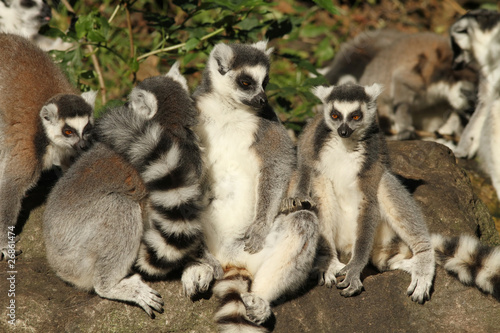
[240, 73]
[68, 122]
[345, 117]
[245, 85]
[34, 11]
[249, 84]
[349, 109]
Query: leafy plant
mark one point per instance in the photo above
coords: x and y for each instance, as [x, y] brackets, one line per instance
[114, 40]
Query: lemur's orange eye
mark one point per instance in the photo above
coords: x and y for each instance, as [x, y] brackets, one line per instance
[68, 132]
[245, 83]
[335, 116]
[355, 117]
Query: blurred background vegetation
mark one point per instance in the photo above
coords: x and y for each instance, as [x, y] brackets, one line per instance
[116, 44]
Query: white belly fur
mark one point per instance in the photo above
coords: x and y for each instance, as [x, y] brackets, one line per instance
[340, 168]
[234, 169]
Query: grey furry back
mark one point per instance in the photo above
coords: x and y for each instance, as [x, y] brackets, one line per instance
[355, 55]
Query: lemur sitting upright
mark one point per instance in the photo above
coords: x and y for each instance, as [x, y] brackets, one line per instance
[44, 122]
[134, 200]
[250, 160]
[366, 212]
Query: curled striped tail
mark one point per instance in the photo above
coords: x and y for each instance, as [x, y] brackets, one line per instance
[470, 261]
[174, 234]
[239, 309]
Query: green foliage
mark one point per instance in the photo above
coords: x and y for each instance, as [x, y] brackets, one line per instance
[187, 31]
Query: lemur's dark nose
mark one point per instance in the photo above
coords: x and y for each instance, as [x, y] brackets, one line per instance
[344, 131]
[83, 145]
[262, 100]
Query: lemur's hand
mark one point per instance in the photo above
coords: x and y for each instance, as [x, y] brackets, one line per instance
[255, 236]
[290, 205]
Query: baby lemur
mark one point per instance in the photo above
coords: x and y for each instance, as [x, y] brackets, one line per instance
[365, 211]
[44, 122]
[250, 160]
[134, 201]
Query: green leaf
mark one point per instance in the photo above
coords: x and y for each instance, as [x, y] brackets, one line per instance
[51, 32]
[134, 65]
[307, 66]
[96, 36]
[191, 44]
[188, 57]
[328, 5]
[315, 81]
[235, 5]
[312, 30]
[324, 50]
[83, 25]
[272, 86]
[249, 23]
[186, 5]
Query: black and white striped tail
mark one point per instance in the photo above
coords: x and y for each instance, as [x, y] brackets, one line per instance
[470, 261]
[175, 195]
[231, 316]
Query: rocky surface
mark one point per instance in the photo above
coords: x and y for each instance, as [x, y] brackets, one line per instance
[46, 304]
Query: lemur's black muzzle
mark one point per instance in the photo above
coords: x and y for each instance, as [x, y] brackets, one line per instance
[344, 131]
[83, 145]
[258, 101]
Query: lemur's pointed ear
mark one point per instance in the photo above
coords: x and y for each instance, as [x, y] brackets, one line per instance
[322, 92]
[89, 97]
[175, 74]
[223, 55]
[49, 114]
[143, 103]
[374, 90]
[262, 45]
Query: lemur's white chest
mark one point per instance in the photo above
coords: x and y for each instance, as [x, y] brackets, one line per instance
[58, 156]
[227, 135]
[339, 167]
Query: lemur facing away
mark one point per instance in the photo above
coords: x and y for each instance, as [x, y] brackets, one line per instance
[134, 201]
[43, 123]
[422, 92]
[250, 159]
[475, 38]
[365, 211]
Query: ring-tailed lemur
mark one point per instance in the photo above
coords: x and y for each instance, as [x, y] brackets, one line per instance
[43, 123]
[24, 17]
[134, 201]
[422, 90]
[475, 38]
[365, 211]
[166, 152]
[250, 159]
